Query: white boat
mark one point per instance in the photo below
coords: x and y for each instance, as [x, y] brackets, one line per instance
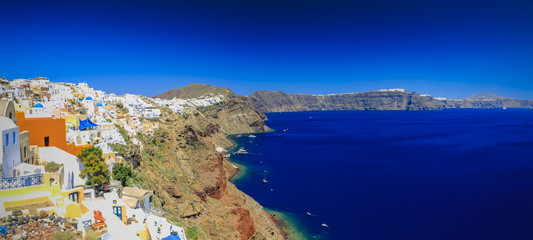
[252, 136]
[241, 151]
[324, 225]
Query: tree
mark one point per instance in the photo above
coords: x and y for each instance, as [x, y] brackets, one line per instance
[122, 172]
[96, 169]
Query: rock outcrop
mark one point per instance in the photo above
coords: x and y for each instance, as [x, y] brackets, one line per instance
[393, 99]
[190, 178]
[232, 116]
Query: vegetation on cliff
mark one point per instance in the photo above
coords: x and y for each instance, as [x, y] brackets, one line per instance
[190, 178]
[234, 115]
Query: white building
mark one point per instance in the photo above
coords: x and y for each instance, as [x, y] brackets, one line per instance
[10, 154]
[89, 104]
[79, 137]
[71, 165]
[38, 111]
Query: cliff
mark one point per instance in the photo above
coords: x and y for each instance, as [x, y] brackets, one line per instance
[193, 90]
[190, 178]
[268, 101]
[393, 99]
[234, 115]
[487, 100]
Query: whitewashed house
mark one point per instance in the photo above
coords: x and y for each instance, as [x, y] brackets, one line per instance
[10, 154]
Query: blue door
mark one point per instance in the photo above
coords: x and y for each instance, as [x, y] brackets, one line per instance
[118, 212]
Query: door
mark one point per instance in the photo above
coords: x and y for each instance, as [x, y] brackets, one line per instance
[117, 211]
[147, 205]
[46, 141]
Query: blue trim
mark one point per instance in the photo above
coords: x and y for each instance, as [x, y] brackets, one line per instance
[24, 181]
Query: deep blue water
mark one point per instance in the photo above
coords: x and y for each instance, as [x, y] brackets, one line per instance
[453, 174]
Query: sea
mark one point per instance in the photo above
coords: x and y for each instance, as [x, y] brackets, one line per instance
[450, 174]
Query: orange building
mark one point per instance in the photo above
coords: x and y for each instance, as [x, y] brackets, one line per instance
[47, 132]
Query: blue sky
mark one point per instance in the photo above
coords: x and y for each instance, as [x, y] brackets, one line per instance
[444, 48]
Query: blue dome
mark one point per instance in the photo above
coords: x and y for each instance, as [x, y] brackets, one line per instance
[38, 105]
[99, 105]
[89, 98]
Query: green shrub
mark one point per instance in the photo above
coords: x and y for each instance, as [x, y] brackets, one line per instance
[194, 233]
[91, 235]
[122, 172]
[66, 235]
[52, 167]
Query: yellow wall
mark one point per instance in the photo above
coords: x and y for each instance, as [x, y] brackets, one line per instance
[26, 202]
[108, 156]
[73, 120]
[72, 209]
[28, 190]
[144, 234]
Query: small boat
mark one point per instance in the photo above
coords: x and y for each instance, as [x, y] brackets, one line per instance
[241, 151]
[252, 136]
[325, 225]
[308, 213]
[264, 180]
[504, 108]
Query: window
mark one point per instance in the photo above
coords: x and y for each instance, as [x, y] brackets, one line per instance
[14, 138]
[7, 140]
[74, 197]
[46, 141]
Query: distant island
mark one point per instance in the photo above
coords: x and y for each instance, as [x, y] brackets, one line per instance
[385, 99]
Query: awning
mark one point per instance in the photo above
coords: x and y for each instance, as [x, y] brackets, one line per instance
[86, 124]
[172, 237]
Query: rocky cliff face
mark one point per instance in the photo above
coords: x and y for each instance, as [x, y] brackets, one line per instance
[267, 101]
[190, 178]
[232, 116]
[275, 101]
[487, 100]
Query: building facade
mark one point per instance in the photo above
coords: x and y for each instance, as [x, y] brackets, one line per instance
[10, 153]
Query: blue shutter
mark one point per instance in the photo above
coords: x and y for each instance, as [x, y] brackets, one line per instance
[7, 139]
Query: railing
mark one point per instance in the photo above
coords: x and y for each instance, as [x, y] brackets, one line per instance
[24, 181]
[87, 224]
